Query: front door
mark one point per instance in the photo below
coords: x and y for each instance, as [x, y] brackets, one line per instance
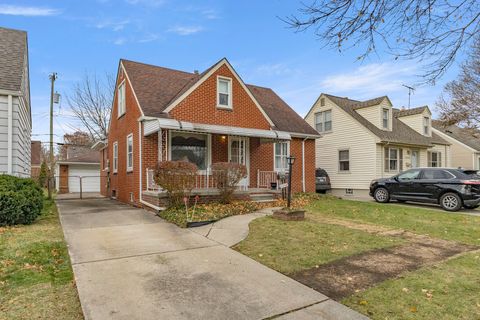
[414, 159]
[238, 153]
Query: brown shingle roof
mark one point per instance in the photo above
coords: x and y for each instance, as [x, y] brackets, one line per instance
[157, 87]
[409, 112]
[90, 156]
[469, 137]
[13, 46]
[400, 133]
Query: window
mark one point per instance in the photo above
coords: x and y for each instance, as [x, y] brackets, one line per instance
[130, 152]
[190, 147]
[426, 126]
[393, 159]
[224, 90]
[344, 160]
[323, 121]
[281, 154]
[115, 157]
[434, 159]
[322, 102]
[435, 174]
[409, 175]
[121, 99]
[385, 118]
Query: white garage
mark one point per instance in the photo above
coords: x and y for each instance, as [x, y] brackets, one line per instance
[81, 173]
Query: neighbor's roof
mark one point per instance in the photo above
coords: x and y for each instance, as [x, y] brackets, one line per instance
[400, 133]
[469, 137]
[13, 46]
[88, 157]
[157, 87]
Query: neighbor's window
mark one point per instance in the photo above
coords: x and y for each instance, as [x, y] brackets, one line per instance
[281, 154]
[323, 121]
[426, 126]
[130, 152]
[115, 156]
[121, 99]
[190, 147]
[393, 159]
[385, 117]
[224, 89]
[434, 159]
[344, 160]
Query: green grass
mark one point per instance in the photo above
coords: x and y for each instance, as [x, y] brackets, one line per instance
[289, 246]
[36, 279]
[447, 291]
[438, 224]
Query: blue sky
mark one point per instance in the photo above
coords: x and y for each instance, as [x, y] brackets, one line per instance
[78, 37]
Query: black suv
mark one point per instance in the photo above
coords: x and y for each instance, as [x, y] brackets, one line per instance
[450, 188]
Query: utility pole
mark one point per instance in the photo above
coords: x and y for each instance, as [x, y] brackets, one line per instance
[52, 77]
[410, 91]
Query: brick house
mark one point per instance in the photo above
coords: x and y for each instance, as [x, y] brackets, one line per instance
[164, 114]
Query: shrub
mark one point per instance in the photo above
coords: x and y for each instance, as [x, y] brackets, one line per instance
[227, 175]
[177, 178]
[43, 175]
[21, 200]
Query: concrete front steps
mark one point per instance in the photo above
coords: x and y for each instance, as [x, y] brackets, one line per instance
[263, 197]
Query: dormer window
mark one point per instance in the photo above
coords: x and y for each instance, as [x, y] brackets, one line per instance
[426, 126]
[385, 118]
[224, 92]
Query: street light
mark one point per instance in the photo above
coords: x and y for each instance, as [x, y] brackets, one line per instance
[290, 161]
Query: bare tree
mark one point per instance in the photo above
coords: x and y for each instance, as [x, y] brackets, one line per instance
[91, 103]
[430, 31]
[460, 101]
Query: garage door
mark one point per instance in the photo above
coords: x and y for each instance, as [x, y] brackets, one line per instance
[90, 178]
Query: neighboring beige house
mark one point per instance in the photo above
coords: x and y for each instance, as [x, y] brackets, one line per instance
[364, 140]
[465, 147]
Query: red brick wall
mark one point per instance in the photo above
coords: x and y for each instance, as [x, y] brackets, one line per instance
[124, 182]
[201, 105]
[261, 158]
[296, 151]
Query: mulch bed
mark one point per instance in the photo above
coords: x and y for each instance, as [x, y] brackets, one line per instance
[344, 277]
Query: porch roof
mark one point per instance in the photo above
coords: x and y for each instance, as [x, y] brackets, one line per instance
[152, 125]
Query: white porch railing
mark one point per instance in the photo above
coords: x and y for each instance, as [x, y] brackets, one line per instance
[265, 178]
[204, 180]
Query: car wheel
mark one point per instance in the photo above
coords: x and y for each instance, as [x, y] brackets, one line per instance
[450, 201]
[381, 195]
[470, 207]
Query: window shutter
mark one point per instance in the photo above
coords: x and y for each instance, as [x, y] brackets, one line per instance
[387, 162]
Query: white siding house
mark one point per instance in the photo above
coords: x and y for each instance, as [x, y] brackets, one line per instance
[364, 140]
[15, 113]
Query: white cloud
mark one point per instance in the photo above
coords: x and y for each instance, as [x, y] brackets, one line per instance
[113, 25]
[148, 3]
[149, 38]
[120, 41]
[185, 30]
[210, 14]
[26, 11]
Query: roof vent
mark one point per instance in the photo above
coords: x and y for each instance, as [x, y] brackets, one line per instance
[195, 71]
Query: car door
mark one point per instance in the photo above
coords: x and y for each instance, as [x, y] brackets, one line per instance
[431, 183]
[406, 184]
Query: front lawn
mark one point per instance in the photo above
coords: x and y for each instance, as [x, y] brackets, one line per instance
[36, 279]
[357, 252]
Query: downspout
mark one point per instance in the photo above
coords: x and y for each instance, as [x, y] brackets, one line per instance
[10, 135]
[303, 164]
[141, 170]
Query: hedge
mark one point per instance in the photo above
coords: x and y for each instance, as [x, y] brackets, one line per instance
[21, 200]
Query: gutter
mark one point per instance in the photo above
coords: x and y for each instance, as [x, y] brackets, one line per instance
[303, 165]
[10, 135]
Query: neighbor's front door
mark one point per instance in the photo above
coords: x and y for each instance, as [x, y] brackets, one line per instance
[238, 153]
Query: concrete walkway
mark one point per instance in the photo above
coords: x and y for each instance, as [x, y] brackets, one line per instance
[130, 264]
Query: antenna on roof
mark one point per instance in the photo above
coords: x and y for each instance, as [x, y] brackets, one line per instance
[410, 91]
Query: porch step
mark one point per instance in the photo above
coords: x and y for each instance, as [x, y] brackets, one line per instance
[262, 197]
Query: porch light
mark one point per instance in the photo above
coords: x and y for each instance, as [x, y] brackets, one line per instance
[290, 161]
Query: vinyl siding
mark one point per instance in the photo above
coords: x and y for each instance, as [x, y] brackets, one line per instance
[460, 155]
[416, 121]
[346, 133]
[374, 114]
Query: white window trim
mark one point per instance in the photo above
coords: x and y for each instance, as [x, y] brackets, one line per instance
[115, 157]
[338, 160]
[388, 118]
[122, 84]
[129, 168]
[209, 147]
[399, 159]
[323, 112]
[426, 126]
[274, 157]
[439, 159]
[230, 93]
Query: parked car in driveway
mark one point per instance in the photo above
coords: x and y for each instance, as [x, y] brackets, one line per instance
[450, 188]
[322, 181]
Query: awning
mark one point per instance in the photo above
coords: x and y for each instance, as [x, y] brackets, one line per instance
[154, 125]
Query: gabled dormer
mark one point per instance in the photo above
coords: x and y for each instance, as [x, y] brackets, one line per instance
[378, 111]
[419, 119]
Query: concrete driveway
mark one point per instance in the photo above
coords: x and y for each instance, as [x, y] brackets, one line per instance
[130, 264]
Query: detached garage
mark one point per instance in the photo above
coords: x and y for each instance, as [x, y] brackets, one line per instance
[81, 173]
